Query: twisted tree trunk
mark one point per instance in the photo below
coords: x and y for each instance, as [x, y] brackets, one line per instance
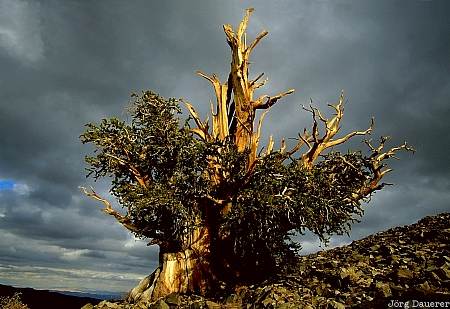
[185, 271]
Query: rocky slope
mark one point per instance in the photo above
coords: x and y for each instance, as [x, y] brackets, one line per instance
[409, 263]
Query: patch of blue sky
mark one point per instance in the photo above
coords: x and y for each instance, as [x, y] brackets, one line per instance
[6, 184]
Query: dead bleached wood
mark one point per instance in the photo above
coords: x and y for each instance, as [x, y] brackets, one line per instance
[124, 220]
[237, 94]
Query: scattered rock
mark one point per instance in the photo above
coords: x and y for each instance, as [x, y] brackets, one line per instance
[212, 305]
[108, 305]
[160, 304]
[173, 299]
[410, 262]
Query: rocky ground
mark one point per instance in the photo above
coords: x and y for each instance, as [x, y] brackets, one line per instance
[403, 264]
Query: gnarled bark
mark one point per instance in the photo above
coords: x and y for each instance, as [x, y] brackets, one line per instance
[187, 270]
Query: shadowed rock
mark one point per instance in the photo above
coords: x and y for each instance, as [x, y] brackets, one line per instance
[404, 264]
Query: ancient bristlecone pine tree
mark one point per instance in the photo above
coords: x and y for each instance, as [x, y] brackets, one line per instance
[220, 206]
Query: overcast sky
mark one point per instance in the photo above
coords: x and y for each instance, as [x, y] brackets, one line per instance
[66, 63]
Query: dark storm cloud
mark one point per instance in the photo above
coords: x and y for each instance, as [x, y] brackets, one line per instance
[68, 63]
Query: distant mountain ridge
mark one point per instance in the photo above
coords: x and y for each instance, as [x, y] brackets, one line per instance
[44, 299]
[101, 295]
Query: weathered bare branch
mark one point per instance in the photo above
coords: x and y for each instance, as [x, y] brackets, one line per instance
[332, 127]
[202, 129]
[141, 179]
[377, 166]
[243, 24]
[212, 79]
[242, 87]
[282, 146]
[270, 145]
[215, 200]
[259, 85]
[349, 164]
[319, 114]
[220, 118]
[252, 45]
[256, 79]
[200, 133]
[124, 220]
[258, 104]
[350, 135]
[300, 143]
[256, 137]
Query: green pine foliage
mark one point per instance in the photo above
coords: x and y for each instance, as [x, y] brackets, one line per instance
[278, 197]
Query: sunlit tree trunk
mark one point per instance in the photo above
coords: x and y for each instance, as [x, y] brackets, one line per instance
[186, 270]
